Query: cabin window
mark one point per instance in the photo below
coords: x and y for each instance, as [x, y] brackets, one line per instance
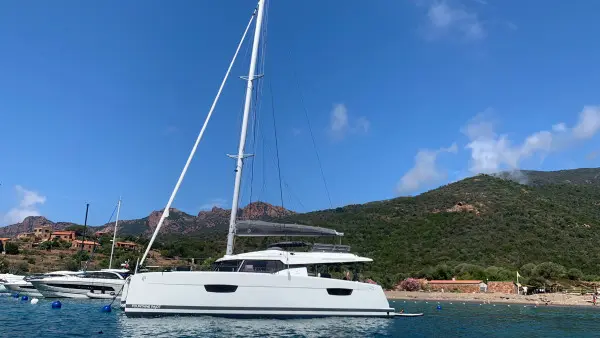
[230, 266]
[220, 288]
[339, 292]
[264, 266]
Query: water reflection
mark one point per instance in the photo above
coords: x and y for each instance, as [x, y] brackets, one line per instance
[223, 327]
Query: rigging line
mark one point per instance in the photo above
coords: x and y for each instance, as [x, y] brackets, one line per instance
[276, 142]
[94, 247]
[259, 93]
[257, 104]
[310, 128]
[165, 213]
[293, 194]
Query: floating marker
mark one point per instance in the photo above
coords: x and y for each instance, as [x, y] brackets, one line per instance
[24, 298]
[106, 308]
[15, 295]
[439, 307]
[34, 301]
[56, 304]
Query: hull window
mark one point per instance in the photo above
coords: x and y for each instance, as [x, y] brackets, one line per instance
[220, 288]
[339, 292]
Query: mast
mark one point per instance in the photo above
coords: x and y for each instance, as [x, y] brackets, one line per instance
[240, 156]
[87, 208]
[112, 249]
[165, 213]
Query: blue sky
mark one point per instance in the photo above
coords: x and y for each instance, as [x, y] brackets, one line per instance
[105, 99]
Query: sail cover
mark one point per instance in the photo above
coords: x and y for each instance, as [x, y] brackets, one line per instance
[251, 228]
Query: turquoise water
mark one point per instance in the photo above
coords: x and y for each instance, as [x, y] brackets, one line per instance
[83, 318]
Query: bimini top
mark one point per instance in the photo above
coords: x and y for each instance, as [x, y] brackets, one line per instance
[298, 258]
[251, 228]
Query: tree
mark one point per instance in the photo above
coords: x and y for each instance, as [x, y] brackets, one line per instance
[527, 269]
[11, 248]
[550, 270]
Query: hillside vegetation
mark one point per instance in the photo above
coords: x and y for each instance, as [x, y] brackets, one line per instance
[480, 227]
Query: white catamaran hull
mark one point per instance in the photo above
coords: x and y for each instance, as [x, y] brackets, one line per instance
[240, 294]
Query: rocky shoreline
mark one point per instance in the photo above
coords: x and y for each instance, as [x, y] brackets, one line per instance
[563, 299]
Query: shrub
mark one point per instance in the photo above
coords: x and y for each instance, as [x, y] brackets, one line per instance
[410, 284]
[22, 267]
[30, 260]
[11, 248]
[574, 274]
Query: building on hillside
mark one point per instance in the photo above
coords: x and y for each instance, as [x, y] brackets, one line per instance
[43, 233]
[87, 245]
[67, 235]
[126, 245]
[27, 236]
[454, 285]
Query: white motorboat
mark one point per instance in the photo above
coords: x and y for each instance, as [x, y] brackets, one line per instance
[78, 286]
[25, 287]
[272, 283]
[8, 278]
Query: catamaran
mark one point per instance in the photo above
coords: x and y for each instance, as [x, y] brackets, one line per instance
[280, 281]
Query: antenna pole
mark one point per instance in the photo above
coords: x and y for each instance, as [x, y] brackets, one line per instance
[112, 249]
[240, 156]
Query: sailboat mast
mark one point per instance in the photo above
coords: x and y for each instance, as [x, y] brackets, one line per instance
[240, 156]
[112, 249]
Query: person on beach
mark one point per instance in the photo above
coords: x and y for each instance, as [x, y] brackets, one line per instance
[594, 299]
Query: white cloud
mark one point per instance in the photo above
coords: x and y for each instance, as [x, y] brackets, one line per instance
[425, 170]
[28, 205]
[491, 152]
[445, 18]
[215, 202]
[559, 127]
[588, 124]
[341, 123]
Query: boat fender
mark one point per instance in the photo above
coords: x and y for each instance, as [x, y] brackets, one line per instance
[106, 308]
[24, 298]
[56, 304]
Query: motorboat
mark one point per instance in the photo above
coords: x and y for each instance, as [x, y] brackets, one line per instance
[277, 282]
[24, 286]
[8, 278]
[79, 285]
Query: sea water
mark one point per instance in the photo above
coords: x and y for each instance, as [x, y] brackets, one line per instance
[84, 318]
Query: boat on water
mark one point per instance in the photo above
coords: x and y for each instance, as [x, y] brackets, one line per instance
[280, 281]
[80, 284]
[25, 287]
[8, 278]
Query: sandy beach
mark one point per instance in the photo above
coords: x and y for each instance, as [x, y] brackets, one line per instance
[538, 299]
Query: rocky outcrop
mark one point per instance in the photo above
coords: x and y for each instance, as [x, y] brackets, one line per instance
[178, 221]
[29, 223]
